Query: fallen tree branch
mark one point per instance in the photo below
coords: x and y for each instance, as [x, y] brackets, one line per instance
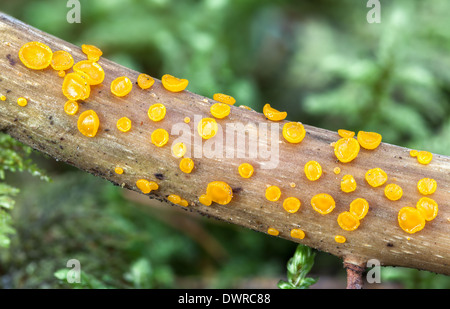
[43, 125]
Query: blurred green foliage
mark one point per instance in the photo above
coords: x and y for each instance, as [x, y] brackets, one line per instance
[318, 60]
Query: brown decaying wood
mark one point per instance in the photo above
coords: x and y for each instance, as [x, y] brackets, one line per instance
[43, 125]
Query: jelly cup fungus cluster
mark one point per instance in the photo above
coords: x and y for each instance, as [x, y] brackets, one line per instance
[87, 73]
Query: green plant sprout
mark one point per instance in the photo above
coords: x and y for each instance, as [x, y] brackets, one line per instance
[298, 267]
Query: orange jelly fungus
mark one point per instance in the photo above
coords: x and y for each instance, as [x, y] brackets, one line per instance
[61, 73]
[220, 110]
[160, 137]
[179, 149]
[293, 132]
[346, 133]
[22, 101]
[428, 207]
[174, 198]
[183, 203]
[146, 186]
[313, 170]
[376, 177]
[323, 203]
[297, 233]
[75, 87]
[348, 221]
[118, 170]
[424, 157]
[359, 207]
[273, 114]
[88, 123]
[246, 170]
[145, 81]
[348, 184]
[411, 220]
[413, 153]
[156, 112]
[346, 149]
[92, 52]
[173, 83]
[393, 192]
[124, 124]
[337, 170]
[426, 186]
[273, 231]
[61, 60]
[186, 165]
[219, 192]
[207, 128]
[291, 204]
[71, 107]
[340, 239]
[224, 98]
[273, 193]
[90, 70]
[205, 200]
[35, 55]
[121, 86]
[369, 140]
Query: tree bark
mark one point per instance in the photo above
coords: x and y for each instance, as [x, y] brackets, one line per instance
[44, 125]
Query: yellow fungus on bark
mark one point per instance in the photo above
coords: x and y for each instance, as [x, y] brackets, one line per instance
[90, 70]
[313, 170]
[411, 220]
[273, 231]
[160, 137]
[337, 170]
[424, 157]
[207, 128]
[369, 140]
[88, 123]
[75, 87]
[22, 101]
[346, 133]
[224, 98]
[359, 207]
[3, 98]
[427, 186]
[124, 124]
[61, 73]
[413, 153]
[118, 170]
[291, 204]
[393, 192]
[219, 192]
[346, 149]
[348, 221]
[187, 119]
[156, 112]
[71, 107]
[173, 83]
[61, 60]
[179, 149]
[297, 233]
[273, 193]
[205, 200]
[174, 198]
[92, 52]
[428, 207]
[293, 132]
[146, 186]
[220, 110]
[145, 81]
[245, 170]
[273, 114]
[348, 184]
[35, 55]
[340, 239]
[183, 203]
[245, 107]
[323, 203]
[186, 165]
[376, 177]
[121, 86]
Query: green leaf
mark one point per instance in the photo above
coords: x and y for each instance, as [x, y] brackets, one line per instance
[298, 268]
